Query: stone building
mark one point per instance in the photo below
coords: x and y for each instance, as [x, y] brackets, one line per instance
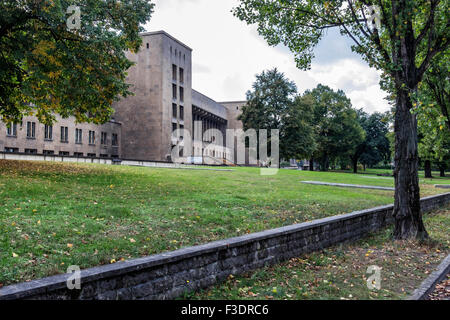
[144, 123]
[64, 138]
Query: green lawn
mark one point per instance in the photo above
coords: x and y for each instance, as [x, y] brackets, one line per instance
[54, 215]
[373, 174]
[340, 272]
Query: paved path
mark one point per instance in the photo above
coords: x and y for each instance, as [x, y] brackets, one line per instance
[442, 290]
[443, 186]
[347, 185]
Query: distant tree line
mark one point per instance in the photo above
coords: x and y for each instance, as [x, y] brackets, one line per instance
[320, 125]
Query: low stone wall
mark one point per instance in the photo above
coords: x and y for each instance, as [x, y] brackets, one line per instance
[169, 275]
[124, 162]
[53, 158]
[346, 185]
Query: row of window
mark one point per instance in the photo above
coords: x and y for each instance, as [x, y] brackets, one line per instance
[175, 126]
[60, 153]
[175, 111]
[175, 73]
[11, 131]
[177, 53]
[175, 92]
[212, 153]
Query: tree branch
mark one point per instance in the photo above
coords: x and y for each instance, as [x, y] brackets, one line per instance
[439, 46]
[429, 23]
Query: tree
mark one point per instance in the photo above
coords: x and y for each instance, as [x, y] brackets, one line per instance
[436, 88]
[47, 68]
[297, 134]
[433, 109]
[268, 103]
[434, 144]
[375, 147]
[403, 42]
[337, 131]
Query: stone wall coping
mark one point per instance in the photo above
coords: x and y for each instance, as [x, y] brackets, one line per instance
[428, 285]
[346, 185]
[34, 287]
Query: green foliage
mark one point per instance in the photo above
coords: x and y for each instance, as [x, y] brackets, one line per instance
[297, 133]
[375, 147]
[47, 69]
[336, 128]
[272, 104]
[432, 109]
[271, 95]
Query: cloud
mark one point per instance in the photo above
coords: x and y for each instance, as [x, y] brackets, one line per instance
[360, 83]
[200, 68]
[228, 53]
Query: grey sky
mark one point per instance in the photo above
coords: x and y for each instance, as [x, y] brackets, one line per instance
[227, 54]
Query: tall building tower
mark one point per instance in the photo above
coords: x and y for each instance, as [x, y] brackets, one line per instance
[161, 81]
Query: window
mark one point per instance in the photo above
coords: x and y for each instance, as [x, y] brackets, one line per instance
[91, 155]
[181, 75]
[48, 152]
[31, 151]
[174, 72]
[115, 140]
[104, 138]
[64, 153]
[148, 45]
[91, 137]
[181, 113]
[181, 94]
[48, 132]
[64, 134]
[174, 91]
[174, 110]
[78, 154]
[103, 156]
[182, 132]
[11, 150]
[11, 130]
[31, 130]
[78, 136]
[174, 127]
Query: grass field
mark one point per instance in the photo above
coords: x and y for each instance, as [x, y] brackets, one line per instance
[53, 215]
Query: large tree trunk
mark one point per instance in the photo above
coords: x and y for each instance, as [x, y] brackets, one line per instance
[355, 166]
[311, 164]
[442, 171]
[407, 214]
[428, 169]
[324, 163]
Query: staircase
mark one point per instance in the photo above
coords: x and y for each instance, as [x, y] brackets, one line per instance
[219, 161]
